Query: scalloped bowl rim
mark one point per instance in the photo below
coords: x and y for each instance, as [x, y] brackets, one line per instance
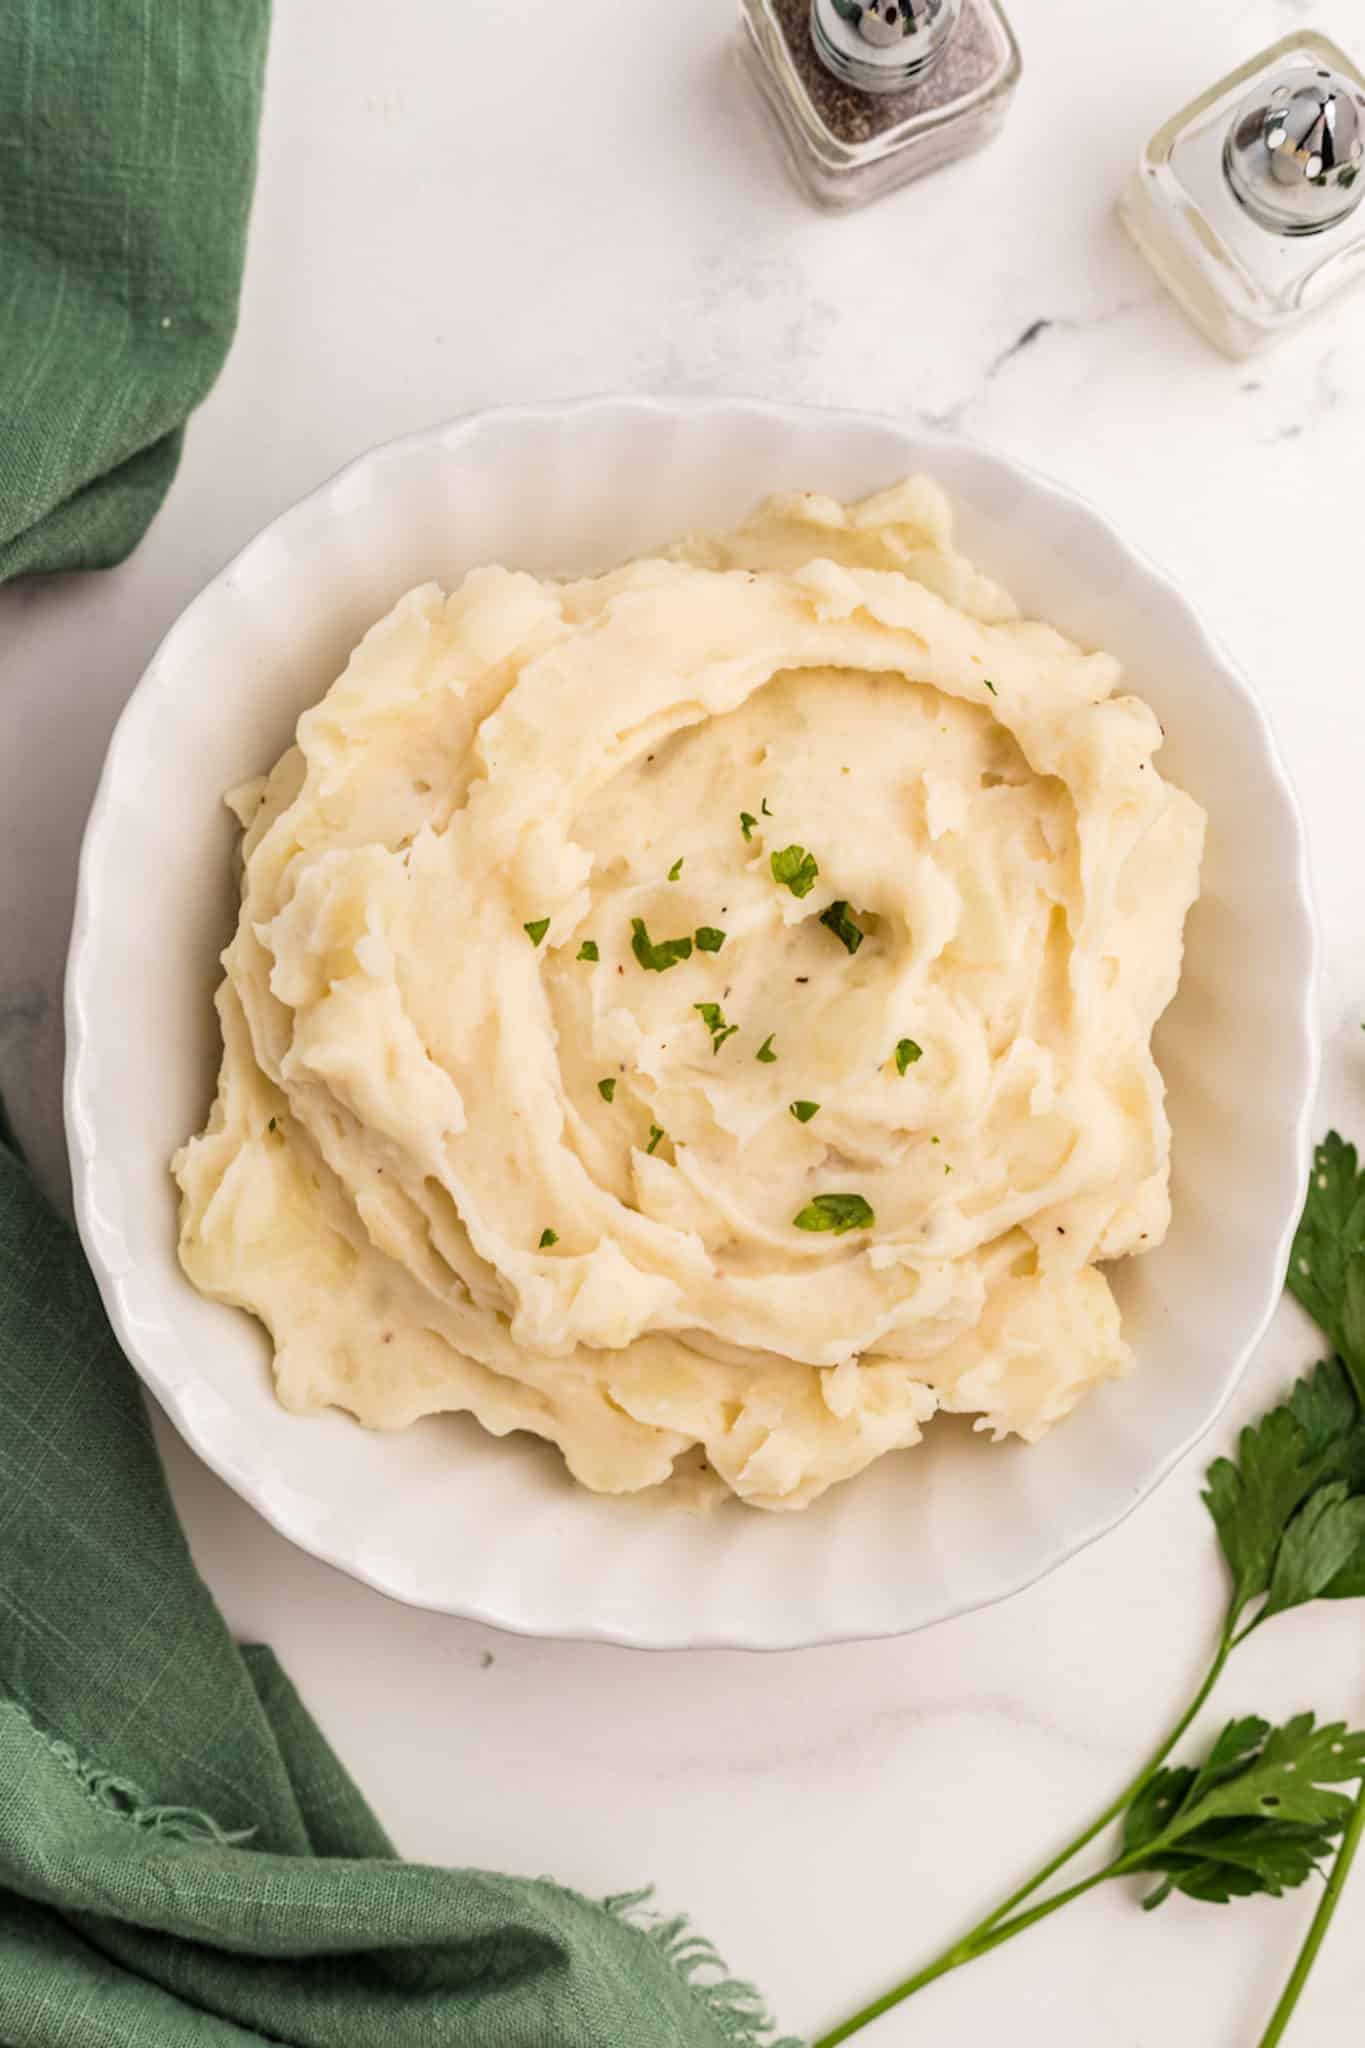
[103, 1238]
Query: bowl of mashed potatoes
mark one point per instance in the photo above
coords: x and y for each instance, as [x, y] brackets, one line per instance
[735, 1066]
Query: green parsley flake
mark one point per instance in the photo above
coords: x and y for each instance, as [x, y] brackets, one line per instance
[709, 938]
[837, 1213]
[795, 869]
[907, 1052]
[804, 1111]
[658, 959]
[676, 869]
[838, 920]
[764, 808]
[536, 929]
[588, 951]
[547, 1238]
[747, 821]
[607, 1089]
[765, 1051]
[713, 1017]
[271, 1125]
[990, 686]
[655, 1135]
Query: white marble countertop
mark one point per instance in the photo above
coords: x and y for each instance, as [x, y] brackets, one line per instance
[435, 232]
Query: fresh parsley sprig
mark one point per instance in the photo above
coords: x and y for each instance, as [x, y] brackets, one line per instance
[1263, 1812]
[1258, 1815]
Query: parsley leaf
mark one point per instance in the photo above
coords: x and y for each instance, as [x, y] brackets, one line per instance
[837, 1213]
[655, 1135]
[990, 686]
[795, 869]
[547, 1238]
[713, 1017]
[765, 1051]
[1327, 1412]
[1280, 1773]
[676, 869]
[658, 959]
[588, 951]
[804, 1111]
[1319, 1544]
[1252, 1500]
[709, 938]
[1349, 1583]
[607, 1088]
[1257, 1816]
[1312, 1444]
[1327, 1263]
[763, 806]
[907, 1052]
[747, 821]
[536, 929]
[838, 920]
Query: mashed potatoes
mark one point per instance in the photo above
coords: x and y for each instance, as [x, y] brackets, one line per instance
[702, 1014]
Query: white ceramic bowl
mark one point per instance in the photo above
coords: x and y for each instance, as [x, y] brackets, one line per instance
[442, 1515]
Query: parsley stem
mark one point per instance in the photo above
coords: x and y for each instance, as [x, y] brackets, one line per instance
[1322, 1920]
[978, 1943]
[1124, 1799]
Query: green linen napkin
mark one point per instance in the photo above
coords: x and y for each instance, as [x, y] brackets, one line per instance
[183, 1861]
[127, 156]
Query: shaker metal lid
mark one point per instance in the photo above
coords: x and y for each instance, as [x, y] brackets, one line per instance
[1295, 153]
[881, 45]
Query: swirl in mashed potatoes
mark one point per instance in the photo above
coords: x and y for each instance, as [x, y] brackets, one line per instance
[702, 1014]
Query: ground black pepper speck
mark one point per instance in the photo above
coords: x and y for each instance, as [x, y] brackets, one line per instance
[857, 117]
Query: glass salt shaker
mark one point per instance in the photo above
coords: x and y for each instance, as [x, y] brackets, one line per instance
[1247, 203]
[868, 94]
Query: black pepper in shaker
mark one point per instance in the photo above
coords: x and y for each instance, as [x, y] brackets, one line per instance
[868, 94]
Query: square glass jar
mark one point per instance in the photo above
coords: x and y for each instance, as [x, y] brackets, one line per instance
[847, 147]
[1242, 284]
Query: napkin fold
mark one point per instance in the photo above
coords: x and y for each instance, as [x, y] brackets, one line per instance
[127, 158]
[184, 1863]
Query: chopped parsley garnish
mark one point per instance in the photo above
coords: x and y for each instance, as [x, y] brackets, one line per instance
[747, 821]
[676, 869]
[536, 929]
[990, 686]
[907, 1052]
[765, 1051]
[588, 951]
[839, 920]
[837, 1213]
[713, 1017]
[547, 1238]
[804, 1111]
[795, 869]
[655, 1135]
[709, 938]
[764, 808]
[658, 958]
[271, 1125]
[607, 1089]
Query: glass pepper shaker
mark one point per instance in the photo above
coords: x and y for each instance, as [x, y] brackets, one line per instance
[868, 94]
[1247, 203]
